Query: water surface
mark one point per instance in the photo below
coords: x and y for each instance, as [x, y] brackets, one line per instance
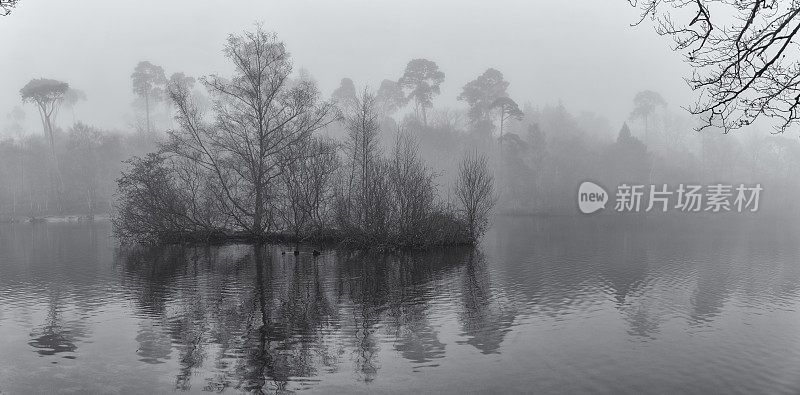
[545, 305]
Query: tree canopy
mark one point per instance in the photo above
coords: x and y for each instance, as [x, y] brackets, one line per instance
[646, 102]
[345, 94]
[149, 83]
[43, 91]
[148, 79]
[261, 118]
[508, 109]
[421, 79]
[73, 96]
[482, 92]
[182, 79]
[390, 97]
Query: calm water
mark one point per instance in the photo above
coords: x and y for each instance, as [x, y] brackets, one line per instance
[545, 305]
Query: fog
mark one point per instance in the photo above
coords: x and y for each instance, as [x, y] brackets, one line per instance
[401, 197]
[547, 95]
[581, 53]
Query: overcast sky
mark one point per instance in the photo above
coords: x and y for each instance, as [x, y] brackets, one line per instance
[580, 52]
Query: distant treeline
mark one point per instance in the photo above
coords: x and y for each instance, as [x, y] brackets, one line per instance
[549, 152]
[88, 160]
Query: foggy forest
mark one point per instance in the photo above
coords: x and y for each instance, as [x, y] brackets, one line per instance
[400, 197]
[264, 152]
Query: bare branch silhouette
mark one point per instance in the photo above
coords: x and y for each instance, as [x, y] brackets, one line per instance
[744, 56]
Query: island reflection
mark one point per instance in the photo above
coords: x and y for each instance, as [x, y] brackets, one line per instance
[261, 319]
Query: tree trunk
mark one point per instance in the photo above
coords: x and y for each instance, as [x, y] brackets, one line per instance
[258, 213]
[58, 184]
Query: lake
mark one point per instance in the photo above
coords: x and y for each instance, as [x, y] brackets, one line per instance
[588, 304]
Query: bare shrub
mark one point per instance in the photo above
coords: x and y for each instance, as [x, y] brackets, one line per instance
[474, 190]
[363, 197]
[156, 204]
[413, 190]
[308, 187]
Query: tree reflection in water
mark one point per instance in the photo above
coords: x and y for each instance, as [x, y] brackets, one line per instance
[486, 318]
[256, 320]
[708, 299]
[55, 335]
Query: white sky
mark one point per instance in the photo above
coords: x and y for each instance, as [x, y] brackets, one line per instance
[581, 52]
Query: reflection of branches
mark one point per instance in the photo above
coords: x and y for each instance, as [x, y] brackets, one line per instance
[485, 320]
[284, 330]
[51, 340]
[53, 337]
[417, 340]
[192, 355]
[746, 66]
[368, 289]
[189, 332]
[266, 321]
[367, 347]
[150, 275]
[259, 357]
[395, 287]
[625, 274]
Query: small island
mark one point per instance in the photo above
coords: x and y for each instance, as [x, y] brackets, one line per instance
[248, 165]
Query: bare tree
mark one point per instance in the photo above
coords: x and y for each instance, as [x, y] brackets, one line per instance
[365, 196]
[6, 6]
[308, 186]
[744, 56]
[179, 79]
[413, 190]
[474, 190]
[158, 202]
[260, 116]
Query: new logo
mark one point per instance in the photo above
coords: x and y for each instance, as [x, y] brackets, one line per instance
[591, 197]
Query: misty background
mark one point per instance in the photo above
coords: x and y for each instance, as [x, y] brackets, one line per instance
[581, 53]
[574, 68]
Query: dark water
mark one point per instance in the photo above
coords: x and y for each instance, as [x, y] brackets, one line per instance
[545, 305]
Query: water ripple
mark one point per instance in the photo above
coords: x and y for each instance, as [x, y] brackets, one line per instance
[555, 304]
